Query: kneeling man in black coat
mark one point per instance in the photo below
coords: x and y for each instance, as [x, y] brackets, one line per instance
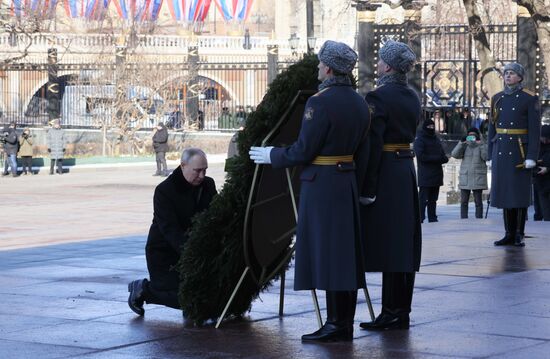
[177, 199]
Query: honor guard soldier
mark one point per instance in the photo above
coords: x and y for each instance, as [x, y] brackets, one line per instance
[391, 212]
[332, 138]
[513, 137]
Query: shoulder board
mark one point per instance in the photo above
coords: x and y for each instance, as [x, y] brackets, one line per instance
[529, 92]
[320, 92]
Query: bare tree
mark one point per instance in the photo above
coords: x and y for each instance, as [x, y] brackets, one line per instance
[540, 13]
[488, 65]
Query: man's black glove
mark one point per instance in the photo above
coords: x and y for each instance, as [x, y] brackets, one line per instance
[63, 150]
[49, 150]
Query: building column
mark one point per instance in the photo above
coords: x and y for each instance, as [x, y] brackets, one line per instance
[272, 63]
[192, 98]
[52, 89]
[366, 15]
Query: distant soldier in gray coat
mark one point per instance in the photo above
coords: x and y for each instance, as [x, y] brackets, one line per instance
[473, 170]
[332, 140]
[514, 132]
[56, 146]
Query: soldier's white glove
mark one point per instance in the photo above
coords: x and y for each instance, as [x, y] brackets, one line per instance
[365, 201]
[529, 164]
[488, 163]
[260, 155]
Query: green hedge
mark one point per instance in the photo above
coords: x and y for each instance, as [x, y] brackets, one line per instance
[212, 259]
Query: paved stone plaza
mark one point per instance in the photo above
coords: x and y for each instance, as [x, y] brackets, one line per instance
[70, 244]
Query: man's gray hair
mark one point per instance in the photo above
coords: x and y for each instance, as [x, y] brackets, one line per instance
[189, 152]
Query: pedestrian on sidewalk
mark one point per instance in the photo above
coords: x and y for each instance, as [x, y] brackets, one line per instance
[56, 146]
[160, 145]
[542, 173]
[11, 146]
[514, 141]
[430, 156]
[472, 150]
[26, 151]
[389, 194]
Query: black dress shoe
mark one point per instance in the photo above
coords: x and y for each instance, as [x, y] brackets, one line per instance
[330, 332]
[135, 299]
[387, 322]
[504, 241]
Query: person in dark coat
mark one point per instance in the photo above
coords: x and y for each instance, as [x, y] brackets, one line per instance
[542, 173]
[160, 145]
[333, 136]
[390, 212]
[430, 156]
[514, 137]
[11, 146]
[177, 199]
[472, 150]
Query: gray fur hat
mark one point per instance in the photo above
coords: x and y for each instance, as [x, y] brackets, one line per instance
[338, 56]
[517, 68]
[398, 55]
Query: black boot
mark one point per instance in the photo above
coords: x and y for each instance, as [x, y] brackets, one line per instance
[60, 166]
[510, 224]
[397, 289]
[520, 231]
[52, 163]
[350, 307]
[464, 199]
[336, 327]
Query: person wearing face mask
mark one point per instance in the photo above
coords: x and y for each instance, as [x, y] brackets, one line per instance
[430, 156]
[473, 170]
[514, 131]
[177, 199]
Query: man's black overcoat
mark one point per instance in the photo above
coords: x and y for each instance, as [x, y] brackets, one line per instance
[174, 203]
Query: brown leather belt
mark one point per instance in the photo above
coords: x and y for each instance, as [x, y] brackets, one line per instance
[331, 160]
[512, 131]
[395, 147]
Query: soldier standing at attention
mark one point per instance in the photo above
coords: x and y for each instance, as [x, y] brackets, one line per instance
[514, 132]
[389, 195]
[329, 255]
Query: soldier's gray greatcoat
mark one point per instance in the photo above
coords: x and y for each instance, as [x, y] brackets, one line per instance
[328, 247]
[392, 234]
[511, 186]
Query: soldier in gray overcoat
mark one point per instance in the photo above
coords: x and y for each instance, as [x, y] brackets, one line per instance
[56, 146]
[391, 212]
[514, 132]
[333, 135]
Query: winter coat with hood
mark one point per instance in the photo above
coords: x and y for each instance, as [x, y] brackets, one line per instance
[430, 155]
[473, 170]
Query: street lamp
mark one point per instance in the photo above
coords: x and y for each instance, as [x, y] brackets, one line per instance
[311, 44]
[246, 42]
[293, 42]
